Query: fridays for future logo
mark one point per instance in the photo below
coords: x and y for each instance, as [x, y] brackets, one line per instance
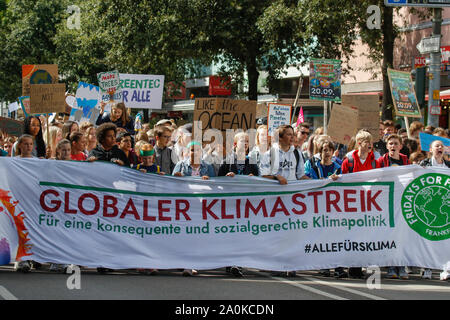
[426, 206]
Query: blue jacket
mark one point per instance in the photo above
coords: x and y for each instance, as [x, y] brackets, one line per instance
[318, 172]
[184, 166]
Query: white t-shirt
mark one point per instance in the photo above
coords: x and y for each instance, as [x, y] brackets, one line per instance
[278, 162]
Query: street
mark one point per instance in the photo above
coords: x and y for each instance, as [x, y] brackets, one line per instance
[212, 285]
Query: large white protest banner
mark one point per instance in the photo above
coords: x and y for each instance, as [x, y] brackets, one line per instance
[99, 214]
[142, 91]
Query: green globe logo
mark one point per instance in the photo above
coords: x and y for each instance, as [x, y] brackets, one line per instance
[426, 206]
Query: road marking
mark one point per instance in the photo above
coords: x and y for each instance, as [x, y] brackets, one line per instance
[5, 294]
[342, 287]
[307, 288]
[398, 286]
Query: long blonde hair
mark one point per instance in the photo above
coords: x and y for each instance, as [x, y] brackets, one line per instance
[53, 133]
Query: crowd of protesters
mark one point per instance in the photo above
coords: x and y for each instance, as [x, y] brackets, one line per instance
[297, 153]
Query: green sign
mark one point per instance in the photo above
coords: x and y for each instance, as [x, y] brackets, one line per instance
[426, 206]
[325, 80]
[403, 94]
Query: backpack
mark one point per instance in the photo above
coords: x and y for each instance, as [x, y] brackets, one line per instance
[351, 162]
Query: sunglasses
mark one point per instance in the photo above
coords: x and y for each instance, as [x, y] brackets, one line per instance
[304, 132]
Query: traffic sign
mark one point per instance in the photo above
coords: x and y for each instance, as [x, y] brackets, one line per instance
[417, 3]
[429, 44]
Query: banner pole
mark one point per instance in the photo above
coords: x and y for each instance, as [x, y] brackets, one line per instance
[299, 89]
[407, 127]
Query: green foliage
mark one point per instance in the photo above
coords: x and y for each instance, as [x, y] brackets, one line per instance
[26, 37]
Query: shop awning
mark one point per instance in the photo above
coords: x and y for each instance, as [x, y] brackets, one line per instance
[444, 95]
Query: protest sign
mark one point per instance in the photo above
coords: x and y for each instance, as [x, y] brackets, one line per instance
[325, 80]
[87, 104]
[343, 123]
[223, 114]
[277, 115]
[96, 214]
[47, 98]
[13, 106]
[142, 91]
[403, 94]
[38, 74]
[368, 112]
[25, 105]
[11, 127]
[109, 83]
[70, 103]
[427, 139]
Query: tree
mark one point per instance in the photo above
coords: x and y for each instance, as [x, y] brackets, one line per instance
[26, 37]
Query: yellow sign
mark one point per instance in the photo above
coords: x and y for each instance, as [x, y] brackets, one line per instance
[436, 95]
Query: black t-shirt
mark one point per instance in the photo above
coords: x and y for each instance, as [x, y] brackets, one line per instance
[394, 162]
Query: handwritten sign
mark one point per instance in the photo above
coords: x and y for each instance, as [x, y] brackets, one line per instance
[277, 115]
[109, 83]
[47, 98]
[25, 105]
[86, 105]
[403, 94]
[38, 74]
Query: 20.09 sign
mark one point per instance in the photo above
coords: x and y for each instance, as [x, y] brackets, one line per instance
[325, 80]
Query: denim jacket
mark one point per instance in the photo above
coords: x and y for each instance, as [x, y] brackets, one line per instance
[184, 166]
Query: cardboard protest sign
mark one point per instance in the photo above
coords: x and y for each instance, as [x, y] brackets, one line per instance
[38, 74]
[325, 80]
[47, 98]
[403, 94]
[277, 115]
[427, 139]
[223, 114]
[142, 91]
[109, 83]
[11, 127]
[86, 107]
[343, 123]
[368, 112]
[25, 105]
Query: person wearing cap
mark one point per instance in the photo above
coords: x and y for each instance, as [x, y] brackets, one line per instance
[194, 165]
[164, 122]
[147, 155]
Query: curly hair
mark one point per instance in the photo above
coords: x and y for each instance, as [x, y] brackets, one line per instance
[102, 129]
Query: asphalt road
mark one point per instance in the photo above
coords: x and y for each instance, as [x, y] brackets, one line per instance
[210, 285]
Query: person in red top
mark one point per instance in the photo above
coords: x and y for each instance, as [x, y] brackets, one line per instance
[361, 159]
[78, 145]
[393, 157]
